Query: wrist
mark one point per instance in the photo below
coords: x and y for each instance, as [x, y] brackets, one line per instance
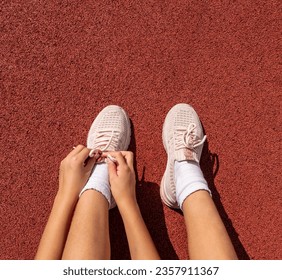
[67, 200]
[128, 206]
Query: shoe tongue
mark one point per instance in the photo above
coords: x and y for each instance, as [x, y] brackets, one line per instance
[186, 154]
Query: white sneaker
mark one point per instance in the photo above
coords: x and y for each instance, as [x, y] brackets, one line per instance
[110, 131]
[183, 139]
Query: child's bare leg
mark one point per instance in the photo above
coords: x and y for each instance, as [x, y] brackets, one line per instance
[207, 236]
[89, 232]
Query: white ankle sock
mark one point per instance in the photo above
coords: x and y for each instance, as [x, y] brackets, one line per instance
[189, 178]
[99, 181]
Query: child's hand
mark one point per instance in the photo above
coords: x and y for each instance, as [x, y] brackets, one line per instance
[75, 170]
[122, 178]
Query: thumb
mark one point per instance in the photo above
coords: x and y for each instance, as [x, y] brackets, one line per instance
[90, 162]
[112, 168]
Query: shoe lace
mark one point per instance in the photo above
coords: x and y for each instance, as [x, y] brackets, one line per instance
[105, 138]
[187, 138]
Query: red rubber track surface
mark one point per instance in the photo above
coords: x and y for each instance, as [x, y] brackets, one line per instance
[62, 62]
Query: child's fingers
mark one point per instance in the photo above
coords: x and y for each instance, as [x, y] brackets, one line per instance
[122, 157]
[83, 154]
[77, 149]
[129, 157]
[116, 157]
[85, 157]
[112, 168]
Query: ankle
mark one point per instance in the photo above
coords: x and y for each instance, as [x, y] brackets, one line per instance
[200, 197]
[188, 180]
[99, 181]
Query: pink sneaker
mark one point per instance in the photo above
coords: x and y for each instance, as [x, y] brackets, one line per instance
[110, 131]
[183, 139]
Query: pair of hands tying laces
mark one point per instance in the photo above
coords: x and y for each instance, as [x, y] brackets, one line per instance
[74, 173]
[76, 168]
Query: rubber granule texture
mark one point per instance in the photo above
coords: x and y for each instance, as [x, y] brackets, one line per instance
[62, 63]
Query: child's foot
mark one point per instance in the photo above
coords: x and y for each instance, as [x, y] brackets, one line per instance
[110, 131]
[183, 140]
